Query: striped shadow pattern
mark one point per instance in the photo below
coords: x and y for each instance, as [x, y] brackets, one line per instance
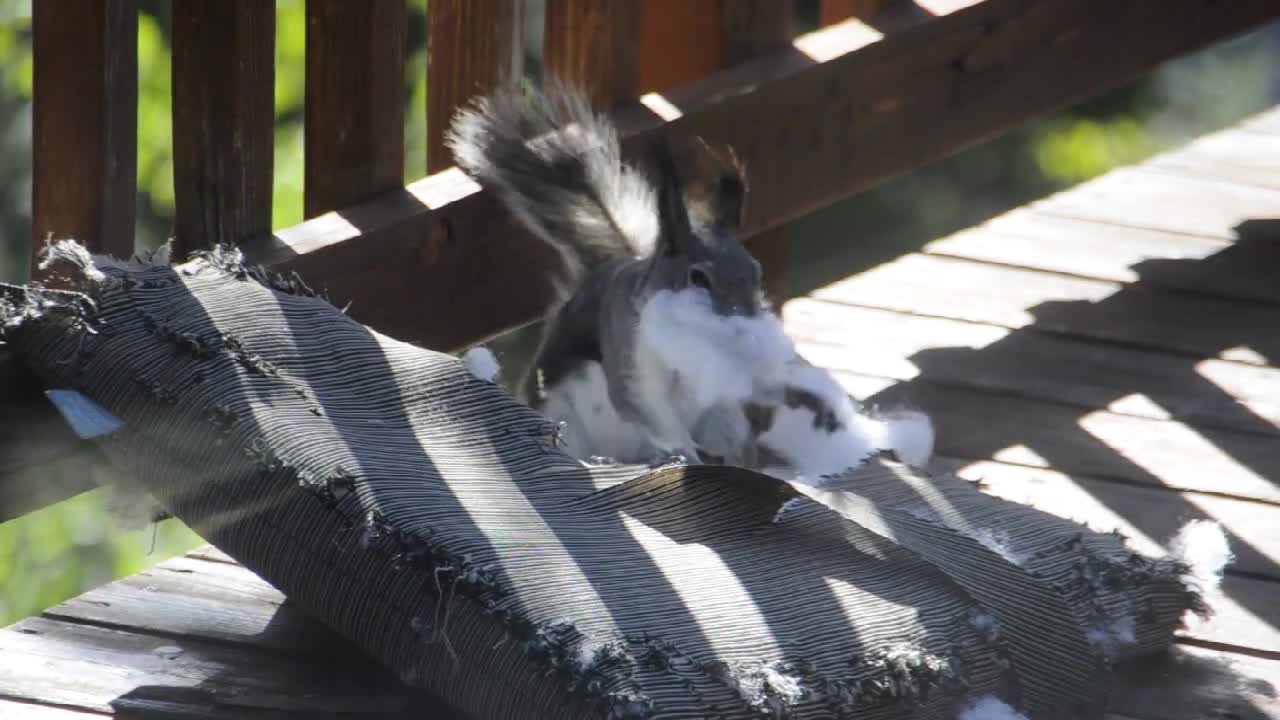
[431, 519]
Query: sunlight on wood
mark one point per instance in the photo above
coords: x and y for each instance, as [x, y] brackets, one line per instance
[1140, 405]
[944, 7]
[661, 106]
[1243, 354]
[830, 43]
[1175, 455]
[1021, 455]
[1056, 493]
[1149, 517]
[1260, 384]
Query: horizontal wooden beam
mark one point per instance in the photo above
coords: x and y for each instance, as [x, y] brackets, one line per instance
[838, 110]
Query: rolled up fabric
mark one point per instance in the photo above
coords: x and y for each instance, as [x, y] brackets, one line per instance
[424, 514]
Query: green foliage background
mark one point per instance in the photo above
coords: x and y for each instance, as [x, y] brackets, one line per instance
[67, 548]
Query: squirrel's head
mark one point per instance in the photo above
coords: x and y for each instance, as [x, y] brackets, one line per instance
[698, 245]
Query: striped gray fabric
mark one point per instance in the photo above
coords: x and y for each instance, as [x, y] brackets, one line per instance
[425, 515]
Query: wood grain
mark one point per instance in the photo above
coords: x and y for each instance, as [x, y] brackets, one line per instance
[131, 674]
[472, 46]
[84, 123]
[11, 710]
[818, 130]
[1245, 614]
[1183, 323]
[982, 425]
[749, 29]
[1174, 203]
[679, 42]
[354, 106]
[1043, 366]
[1192, 683]
[223, 121]
[272, 659]
[834, 11]
[1239, 269]
[594, 45]
[1245, 158]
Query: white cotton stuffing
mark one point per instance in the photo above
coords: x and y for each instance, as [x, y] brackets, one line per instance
[581, 400]
[909, 434]
[817, 454]
[719, 358]
[989, 707]
[723, 360]
[1202, 545]
[482, 363]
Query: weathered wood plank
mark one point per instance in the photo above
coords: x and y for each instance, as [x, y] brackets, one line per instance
[472, 46]
[1267, 123]
[11, 710]
[1196, 325]
[594, 45]
[1239, 270]
[749, 29]
[1240, 157]
[1195, 684]
[210, 553]
[679, 42]
[1137, 197]
[55, 661]
[84, 121]
[834, 11]
[1066, 370]
[1246, 615]
[185, 597]
[107, 670]
[223, 121]
[980, 425]
[354, 124]
[820, 110]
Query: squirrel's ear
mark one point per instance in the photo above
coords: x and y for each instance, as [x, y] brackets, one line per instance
[721, 189]
[730, 201]
[674, 228]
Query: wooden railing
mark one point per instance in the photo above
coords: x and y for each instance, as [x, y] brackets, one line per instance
[815, 118]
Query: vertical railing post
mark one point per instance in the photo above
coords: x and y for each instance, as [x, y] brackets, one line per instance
[354, 124]
[833, 11]
[472, 45]
[594, 45]
[750, 28]
[85, 118]
[223, 121]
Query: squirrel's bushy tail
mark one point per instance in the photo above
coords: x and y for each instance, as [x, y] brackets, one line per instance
[557, 166]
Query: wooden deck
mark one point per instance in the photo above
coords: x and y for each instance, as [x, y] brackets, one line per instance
[1111, 354]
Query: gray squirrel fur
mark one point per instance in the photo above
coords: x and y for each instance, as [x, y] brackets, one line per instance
[623, 238]
[662, 343]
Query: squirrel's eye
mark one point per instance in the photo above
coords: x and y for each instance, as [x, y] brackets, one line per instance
[698, 278]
